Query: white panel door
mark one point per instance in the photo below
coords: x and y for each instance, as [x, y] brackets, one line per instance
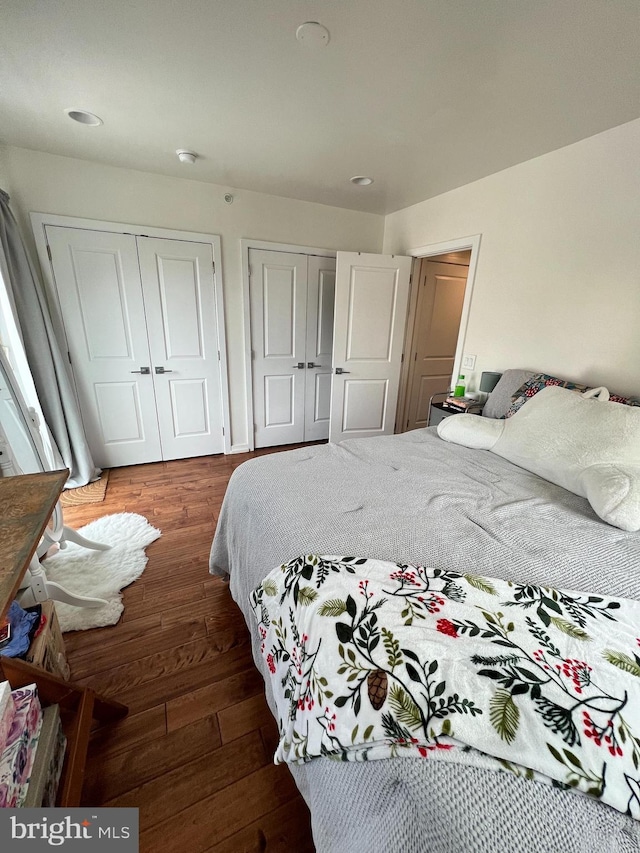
[179, 296]
[320, 303]
[278, 305]
[98, 283]
[372, 293]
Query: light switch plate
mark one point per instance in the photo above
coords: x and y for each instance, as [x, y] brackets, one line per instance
[469, 361]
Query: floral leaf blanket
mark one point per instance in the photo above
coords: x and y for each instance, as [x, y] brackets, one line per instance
[371, 659]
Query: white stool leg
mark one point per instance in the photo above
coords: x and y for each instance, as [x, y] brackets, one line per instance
[71, 535]
[36, 580]
[59, 593]
[40, 589]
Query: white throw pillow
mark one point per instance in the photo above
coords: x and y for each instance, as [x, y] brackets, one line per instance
[580, 442]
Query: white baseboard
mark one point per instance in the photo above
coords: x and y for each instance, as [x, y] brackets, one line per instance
[239, 448]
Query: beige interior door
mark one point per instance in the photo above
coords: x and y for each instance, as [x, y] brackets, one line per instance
[372, 293]
[441, 290]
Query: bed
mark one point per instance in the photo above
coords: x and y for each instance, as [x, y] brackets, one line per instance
[417, 499]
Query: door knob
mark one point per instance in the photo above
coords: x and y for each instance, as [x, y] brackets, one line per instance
[339, 370]
[162, 370]
[311, 364]
[144, 370]
[299, 366]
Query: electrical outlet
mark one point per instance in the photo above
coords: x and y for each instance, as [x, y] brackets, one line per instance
[469, 362]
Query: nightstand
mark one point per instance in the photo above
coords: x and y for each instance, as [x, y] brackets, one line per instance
[439, 411]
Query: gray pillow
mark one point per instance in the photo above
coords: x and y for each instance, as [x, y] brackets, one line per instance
[500, 398]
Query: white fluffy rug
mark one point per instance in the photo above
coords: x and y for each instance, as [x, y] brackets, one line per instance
[101, 574]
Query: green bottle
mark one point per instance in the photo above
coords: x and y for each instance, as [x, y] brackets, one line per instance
[459, 389]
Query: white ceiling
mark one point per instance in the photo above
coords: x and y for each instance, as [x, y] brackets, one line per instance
[423, 95]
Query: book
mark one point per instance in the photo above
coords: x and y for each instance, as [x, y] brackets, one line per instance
[7, 713]
[16, 761]
[462, 404]
[5, 632]
[47, 764]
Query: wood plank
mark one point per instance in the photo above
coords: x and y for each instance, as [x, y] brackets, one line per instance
[204, 607]
[104, 657]
[84, 642]
[119, 773]
[162, 571]
[191, 572]
[186, 532]
[120, 679]
[133, 592]
[226, 625]
[172, 792]
[243, 717]
[214, 584]
[129, 732]
[185, 680]
[224, 693]
[255, 795]
[164, 600]
[270, 735]
[285, 830]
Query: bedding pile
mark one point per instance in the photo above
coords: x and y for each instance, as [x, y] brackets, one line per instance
[371, 659]
[420, 500]
[582, 442]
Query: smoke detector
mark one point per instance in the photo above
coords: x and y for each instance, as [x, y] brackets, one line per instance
[186, 156]
[313, 34]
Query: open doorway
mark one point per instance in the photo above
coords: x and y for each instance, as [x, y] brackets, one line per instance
[433, 333]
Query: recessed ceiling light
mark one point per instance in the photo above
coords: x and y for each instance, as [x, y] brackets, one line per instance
[84, 117]
[361, 180]
[313, 34]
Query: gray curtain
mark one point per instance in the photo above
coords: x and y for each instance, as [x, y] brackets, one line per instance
[46, 357]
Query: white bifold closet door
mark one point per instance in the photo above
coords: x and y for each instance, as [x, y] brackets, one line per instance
[291, 303]
[140, 319]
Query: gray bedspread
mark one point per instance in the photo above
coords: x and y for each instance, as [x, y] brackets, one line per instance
[416, 498]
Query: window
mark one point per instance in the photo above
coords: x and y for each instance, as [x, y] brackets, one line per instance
[13, 350]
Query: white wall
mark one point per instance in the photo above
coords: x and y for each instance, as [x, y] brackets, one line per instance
[48, 183]
[558, 279]
[4, 172]
[557, 287]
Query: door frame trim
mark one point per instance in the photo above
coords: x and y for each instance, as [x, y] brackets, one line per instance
[245, 245]
[458, 244]
[40, 220]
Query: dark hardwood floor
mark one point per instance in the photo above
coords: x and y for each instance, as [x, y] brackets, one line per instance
[195, 754]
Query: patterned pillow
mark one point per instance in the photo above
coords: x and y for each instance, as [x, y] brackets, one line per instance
[626, 401]
[537, 382]
[542, 380]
